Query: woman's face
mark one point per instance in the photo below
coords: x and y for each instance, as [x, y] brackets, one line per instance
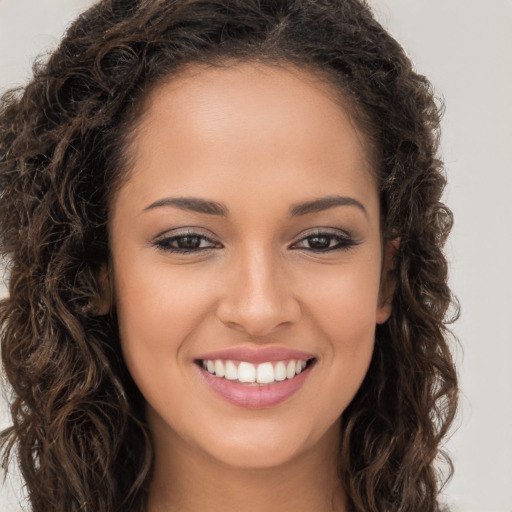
[247, 240]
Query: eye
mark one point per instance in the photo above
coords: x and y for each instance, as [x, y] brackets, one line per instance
[322, 241]
[184, 243]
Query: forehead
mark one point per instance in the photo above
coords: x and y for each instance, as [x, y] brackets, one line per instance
[249, 96]
[252, 124]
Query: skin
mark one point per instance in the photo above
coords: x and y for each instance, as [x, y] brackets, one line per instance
[259, 140]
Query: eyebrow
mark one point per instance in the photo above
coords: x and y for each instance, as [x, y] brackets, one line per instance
[194, 204]
[324, 203]
[199, 205]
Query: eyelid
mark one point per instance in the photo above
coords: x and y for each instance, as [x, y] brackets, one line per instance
[163, 240]
[346, 240]
[184, 231]
[325, 230]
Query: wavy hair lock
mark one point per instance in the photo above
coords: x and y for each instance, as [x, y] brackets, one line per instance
[78, 426]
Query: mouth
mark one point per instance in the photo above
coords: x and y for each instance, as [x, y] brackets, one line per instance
[255, 385]
[251, 374]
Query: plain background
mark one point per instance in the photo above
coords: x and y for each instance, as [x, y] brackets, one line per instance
[465, 48]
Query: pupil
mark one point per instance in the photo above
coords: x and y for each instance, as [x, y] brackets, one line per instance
[188, 242]
[319, 242]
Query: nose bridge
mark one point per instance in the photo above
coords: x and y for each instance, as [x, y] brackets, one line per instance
[258, 276]
[258, 298]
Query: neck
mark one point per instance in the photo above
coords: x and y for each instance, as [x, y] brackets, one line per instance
[188, 480]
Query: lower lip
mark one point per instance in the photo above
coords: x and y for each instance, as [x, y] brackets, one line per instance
[254, 397]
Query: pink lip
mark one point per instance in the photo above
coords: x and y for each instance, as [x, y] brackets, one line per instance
[244, 395]
[260, 355]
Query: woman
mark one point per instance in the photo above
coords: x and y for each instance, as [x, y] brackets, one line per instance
[227, 286]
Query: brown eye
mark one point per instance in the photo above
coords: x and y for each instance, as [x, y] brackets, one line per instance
[325, 242]
[186, 243]
[319, 242]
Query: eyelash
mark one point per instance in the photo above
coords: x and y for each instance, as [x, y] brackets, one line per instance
[344, 242]
[165, 243]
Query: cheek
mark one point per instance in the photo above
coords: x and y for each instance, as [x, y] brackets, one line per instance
[157, 295]
[344, 309]
[157, 310]
[344, 303]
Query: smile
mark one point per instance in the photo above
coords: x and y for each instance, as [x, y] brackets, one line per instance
[256, 374]
[255, 379]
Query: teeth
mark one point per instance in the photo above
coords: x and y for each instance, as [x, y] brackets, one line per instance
[219, 369]
[231, 371]
[280, 371]
[263, 373]
[290, 370]
[246, 372]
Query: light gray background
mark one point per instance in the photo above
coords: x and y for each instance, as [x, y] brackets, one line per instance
[465, 48]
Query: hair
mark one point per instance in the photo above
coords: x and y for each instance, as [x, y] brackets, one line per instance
[78, 426]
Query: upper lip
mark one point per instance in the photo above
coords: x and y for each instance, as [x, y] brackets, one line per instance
[259, 355]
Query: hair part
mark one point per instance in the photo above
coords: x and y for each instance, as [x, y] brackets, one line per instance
[78, 419]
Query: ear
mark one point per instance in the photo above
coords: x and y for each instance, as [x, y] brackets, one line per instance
[387, 281]
[104, 303]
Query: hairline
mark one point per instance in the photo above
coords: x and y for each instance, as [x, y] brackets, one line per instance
[327, 79]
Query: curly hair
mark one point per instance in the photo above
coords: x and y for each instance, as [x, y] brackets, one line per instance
[79, 431]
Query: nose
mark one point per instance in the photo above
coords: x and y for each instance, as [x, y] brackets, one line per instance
[257, 296]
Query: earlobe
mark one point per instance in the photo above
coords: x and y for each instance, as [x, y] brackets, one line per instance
[384, 311]
[387, 284]
[105, 297]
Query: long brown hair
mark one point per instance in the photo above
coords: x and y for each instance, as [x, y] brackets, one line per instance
[78, 425]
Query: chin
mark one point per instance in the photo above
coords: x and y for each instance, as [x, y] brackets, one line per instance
[254, 455]
[267, 446]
